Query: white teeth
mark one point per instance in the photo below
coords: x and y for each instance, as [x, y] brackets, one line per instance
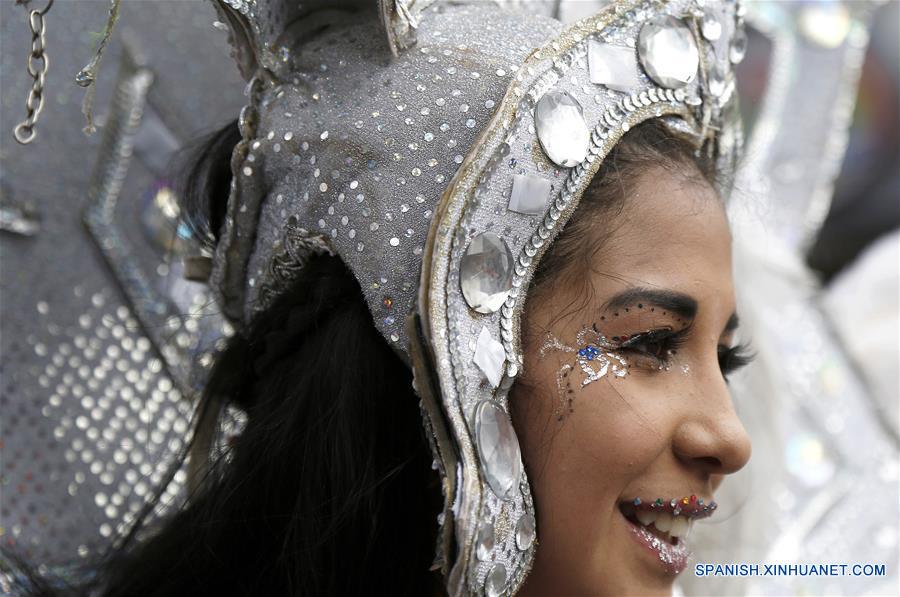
[679, 526]
[676, 526]
[663, 522]
[646, 518]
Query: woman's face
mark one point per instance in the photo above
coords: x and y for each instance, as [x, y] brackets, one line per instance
[624, 406]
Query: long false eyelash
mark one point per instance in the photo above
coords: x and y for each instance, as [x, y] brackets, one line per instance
[657, 344]
[733, 358]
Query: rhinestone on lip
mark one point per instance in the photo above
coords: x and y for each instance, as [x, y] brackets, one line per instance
[561, 130]
[668, 52]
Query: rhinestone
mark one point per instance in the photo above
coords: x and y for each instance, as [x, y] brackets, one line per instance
[738, 48]
[561, 129]
[498, 447]
[717, 80]
[484, 542]
[612, 66]
[489, 356]
[668, 52]
[525, 532]
[710, 26]
[495, 581]
[530, 194]
[486, 272]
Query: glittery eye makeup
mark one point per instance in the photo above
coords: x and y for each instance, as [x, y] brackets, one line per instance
[593, 354]
[638, 329]
[654, 348]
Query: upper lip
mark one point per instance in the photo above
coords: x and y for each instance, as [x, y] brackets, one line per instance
[691, 506]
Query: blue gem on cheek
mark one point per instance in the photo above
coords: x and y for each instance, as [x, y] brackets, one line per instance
[637, 501]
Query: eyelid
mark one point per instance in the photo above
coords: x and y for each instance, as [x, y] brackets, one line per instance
[658, 334]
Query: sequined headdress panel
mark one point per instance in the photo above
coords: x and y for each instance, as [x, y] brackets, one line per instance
[441, 175]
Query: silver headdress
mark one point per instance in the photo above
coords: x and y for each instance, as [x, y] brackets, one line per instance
[440, 166]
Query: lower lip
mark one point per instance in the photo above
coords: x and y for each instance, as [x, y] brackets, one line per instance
[673, 558]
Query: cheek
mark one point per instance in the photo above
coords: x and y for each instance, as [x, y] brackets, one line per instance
[604, 435]
[613, 428]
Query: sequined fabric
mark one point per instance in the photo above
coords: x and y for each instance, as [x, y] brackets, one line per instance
[89, 410]
[359, 147]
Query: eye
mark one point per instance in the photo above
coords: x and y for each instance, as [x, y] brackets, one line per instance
[657, 345]
[732, 358]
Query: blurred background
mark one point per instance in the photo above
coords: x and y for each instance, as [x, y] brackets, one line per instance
[104, 342]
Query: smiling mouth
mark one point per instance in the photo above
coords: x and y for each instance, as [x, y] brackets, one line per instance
[671, 520]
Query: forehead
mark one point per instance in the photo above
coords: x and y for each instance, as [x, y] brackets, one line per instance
[672, 233]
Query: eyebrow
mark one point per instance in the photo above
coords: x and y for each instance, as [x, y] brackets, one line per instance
[676, 302]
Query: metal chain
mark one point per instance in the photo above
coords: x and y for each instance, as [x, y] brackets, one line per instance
[37, 68]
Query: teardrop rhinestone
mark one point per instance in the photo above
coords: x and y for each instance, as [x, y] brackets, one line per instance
[717, 80]
[668, 52]
[485, 272]
[561, 129]
[710, 26]
[495, 581]
[525, 532]
[501, 459]
[484, 541]
[738, 48]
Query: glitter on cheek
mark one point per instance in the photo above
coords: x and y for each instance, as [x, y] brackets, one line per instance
[595, 356]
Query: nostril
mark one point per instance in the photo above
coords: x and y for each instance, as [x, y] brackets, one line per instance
[710, 463]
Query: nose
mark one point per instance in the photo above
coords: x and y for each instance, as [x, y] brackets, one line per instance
[710, 436]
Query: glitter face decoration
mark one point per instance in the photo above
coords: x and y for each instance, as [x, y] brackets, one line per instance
[594, 354]
[597, 354]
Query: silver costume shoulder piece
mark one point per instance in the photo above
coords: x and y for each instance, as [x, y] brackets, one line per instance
[440, 174]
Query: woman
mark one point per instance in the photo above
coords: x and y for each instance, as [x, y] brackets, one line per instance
[496, 158]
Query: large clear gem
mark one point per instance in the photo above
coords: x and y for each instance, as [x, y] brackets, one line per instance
[485, 272]
[530, 194]
[495, 581]
[490, 357]
[613, 66]
[668, 52]
[561, 128]
[484, 542]
[738, 46]
[525, 532]
[501, 460]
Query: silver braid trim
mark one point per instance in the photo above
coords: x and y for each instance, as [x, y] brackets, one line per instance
[298, 246]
